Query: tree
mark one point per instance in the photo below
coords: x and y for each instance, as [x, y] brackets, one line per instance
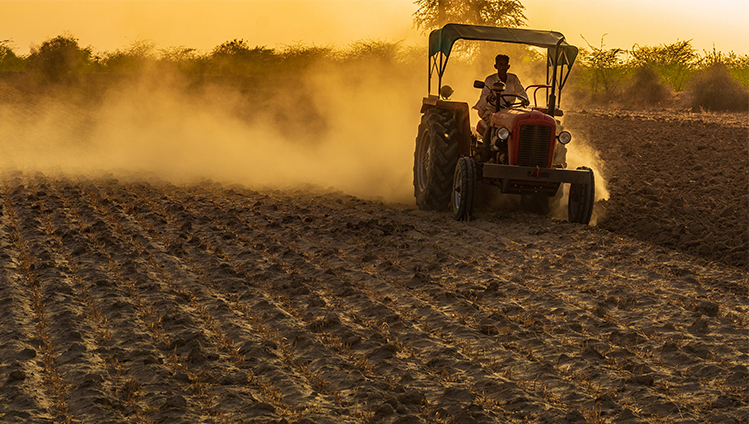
[9, 61]
[673, 62]
[59, 59]
[236, 57]
[436, 13]
[603, 68]
[137, 56]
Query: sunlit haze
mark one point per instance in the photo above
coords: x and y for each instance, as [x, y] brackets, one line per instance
[110, 25]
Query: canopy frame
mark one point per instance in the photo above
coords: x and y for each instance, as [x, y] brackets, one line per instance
[559, 55]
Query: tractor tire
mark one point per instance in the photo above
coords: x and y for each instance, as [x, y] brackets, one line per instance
[581, 200]
[464, 189]
[435, 158]
[535, 203]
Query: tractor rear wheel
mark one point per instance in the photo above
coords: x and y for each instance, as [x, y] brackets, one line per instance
[464, 187]
[435, 158]
[581, 199]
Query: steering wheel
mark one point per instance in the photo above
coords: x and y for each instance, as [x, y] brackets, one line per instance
[514, 100]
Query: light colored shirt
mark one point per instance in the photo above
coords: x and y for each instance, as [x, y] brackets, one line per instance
[512, 86]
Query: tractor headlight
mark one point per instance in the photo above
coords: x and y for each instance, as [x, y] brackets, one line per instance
[503, 133]
[564, 137]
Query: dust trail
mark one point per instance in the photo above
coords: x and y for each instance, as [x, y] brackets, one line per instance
[581, 153]
[170, 129]
[347, 126]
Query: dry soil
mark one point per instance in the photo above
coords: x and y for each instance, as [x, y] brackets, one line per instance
[134, 300]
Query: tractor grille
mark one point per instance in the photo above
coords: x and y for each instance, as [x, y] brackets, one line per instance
[534, 145]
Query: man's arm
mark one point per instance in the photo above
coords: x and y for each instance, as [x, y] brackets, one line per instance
[517, 87]
[482, 106]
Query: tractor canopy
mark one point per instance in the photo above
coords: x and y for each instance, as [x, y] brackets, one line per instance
[560, 55]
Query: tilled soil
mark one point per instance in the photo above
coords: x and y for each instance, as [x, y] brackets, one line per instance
[143, 301]
[678, 180]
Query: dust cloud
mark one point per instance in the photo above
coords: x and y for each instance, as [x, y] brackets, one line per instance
[170, 129]
[581, 153]
[349, 127]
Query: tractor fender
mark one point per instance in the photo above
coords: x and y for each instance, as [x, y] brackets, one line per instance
[461, 112]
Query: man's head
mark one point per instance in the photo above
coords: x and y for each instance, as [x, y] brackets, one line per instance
[502, 63]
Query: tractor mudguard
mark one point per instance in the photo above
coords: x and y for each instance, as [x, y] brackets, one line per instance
[461, 112]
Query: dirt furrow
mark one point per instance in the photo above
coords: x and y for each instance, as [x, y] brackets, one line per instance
[315, 318]
[132, 357]
[515, 325]
[371, 282]
[39, 290]
[94, 395]
[24, 394]
[150, 394]
[193, 333]
[271, 373]
[202, 302]
[311, 324]
[604, 348]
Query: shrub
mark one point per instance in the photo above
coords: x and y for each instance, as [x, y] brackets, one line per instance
[647, 89]
[236, 57]
[184, 59]
[297, 56]
[9, 61]
[602, 71]
[59, 59]
[737, 65]
[138, 56]
[714, 89]
[672, 62]
[373, 51]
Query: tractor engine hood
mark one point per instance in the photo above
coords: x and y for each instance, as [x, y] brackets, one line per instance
[513, 118]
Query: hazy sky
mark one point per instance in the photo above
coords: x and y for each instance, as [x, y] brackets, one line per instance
[203, 24]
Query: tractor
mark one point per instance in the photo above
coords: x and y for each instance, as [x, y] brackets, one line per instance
[520, 148]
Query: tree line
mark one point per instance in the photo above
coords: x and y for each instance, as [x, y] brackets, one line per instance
[640, 76]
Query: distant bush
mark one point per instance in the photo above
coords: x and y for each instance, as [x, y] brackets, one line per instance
[183, 59]
[600, 74]
[372, 51]
[236, 57]
[300, 56]
[715, 89]
[736, 65]
[646, 89]
[59, 59]
[650, 76]
[672, 63]
[138, 56]
[641, 77]
[9, 61]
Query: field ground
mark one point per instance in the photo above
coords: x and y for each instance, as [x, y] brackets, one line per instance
[678, 180]
[132, 300]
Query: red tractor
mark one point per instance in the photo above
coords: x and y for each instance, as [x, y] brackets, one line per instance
[520, 148]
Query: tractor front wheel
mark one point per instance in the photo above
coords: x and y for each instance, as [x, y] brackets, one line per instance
[435, 158]
[581, 199]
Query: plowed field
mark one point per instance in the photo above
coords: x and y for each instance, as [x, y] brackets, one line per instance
[128, 300]
[678, 180]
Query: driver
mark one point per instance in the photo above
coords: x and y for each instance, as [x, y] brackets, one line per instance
[512, 86]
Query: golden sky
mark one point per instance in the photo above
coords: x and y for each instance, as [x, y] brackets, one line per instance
[203, 24]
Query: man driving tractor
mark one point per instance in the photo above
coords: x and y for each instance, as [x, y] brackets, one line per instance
[520, 149]
[512, 86]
